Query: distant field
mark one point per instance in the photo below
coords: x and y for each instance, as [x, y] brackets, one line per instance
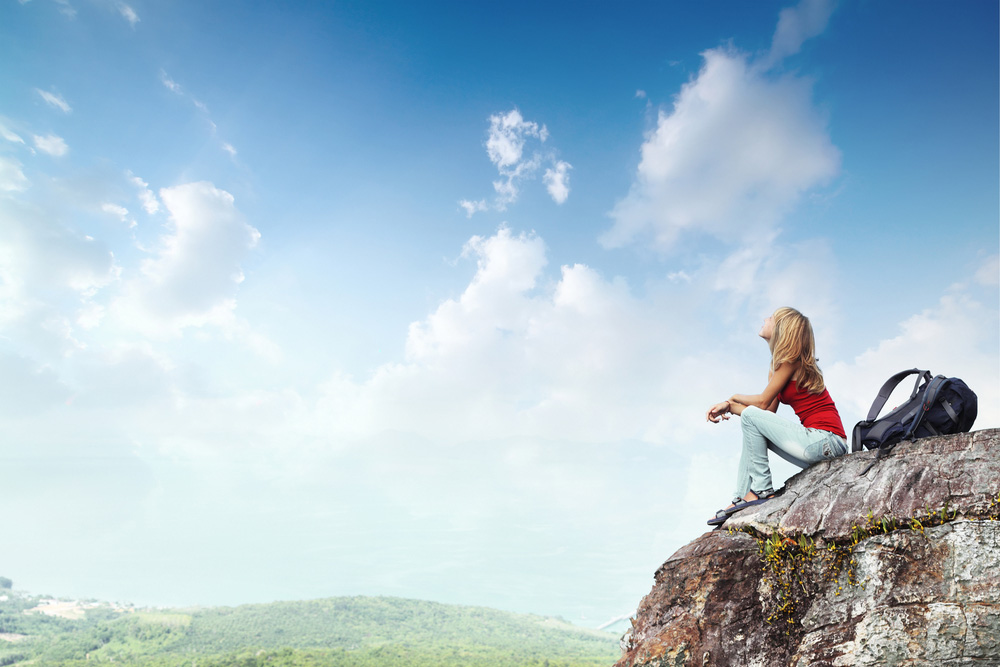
[333, 632]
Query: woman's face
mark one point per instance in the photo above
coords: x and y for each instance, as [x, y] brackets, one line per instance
[767, 329]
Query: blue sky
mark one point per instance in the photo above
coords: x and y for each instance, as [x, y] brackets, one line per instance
[429, 299]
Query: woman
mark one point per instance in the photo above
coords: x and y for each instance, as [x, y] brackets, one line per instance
[794, 379]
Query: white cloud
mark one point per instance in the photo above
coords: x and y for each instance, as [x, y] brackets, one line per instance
[472, 207]
[229, 149]
[731, 158]
[508, 190]
[506, 145]
[51, 144]
[128, 14]
[507, 135]
[54, 100]
[149, 201]
[12, 179]
[193, 277]
[557, 181]
[796, 25]
[114, 209]
[9, 135]
[119, 212]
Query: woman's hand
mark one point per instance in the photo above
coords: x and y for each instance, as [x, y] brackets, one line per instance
[718, 412]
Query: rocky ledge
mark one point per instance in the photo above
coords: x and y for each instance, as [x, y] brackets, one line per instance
[900, 566]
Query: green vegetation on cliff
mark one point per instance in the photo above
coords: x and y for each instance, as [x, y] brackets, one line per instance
[334, 632]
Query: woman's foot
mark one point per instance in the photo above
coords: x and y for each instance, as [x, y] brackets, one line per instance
[749, 500]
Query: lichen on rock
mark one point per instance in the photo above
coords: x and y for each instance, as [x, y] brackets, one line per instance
[900, 566]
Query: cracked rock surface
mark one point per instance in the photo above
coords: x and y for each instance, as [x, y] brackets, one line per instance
[913, 595]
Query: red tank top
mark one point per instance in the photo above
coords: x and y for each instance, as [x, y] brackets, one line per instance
[813, 410]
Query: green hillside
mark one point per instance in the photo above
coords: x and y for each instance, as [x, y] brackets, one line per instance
[334, 632]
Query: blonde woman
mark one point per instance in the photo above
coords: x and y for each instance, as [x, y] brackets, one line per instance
[794, 379]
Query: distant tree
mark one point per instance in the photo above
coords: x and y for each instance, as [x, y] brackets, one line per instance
[6, 583]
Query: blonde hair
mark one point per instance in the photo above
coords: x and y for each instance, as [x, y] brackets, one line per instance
[792, 341]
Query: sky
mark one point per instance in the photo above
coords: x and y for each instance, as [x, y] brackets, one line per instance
[429, 299]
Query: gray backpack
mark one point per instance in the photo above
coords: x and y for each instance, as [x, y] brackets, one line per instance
[938, 406]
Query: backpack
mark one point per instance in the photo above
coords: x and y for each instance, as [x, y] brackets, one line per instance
[937, 407]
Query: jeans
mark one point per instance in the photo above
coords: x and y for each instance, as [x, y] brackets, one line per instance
[763, 430]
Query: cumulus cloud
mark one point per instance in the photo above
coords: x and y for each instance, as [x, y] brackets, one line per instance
[507, 140]
[578, 358]
[505, 147]
[557, 181]
[51, 144]
[12, 179]
[128, 14]
[54, 100]
[507, 135]
[733, 156]
[193, 276]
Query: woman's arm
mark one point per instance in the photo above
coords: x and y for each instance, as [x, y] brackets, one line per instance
[767, 399]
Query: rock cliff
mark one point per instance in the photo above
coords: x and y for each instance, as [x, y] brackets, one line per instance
[897, 567]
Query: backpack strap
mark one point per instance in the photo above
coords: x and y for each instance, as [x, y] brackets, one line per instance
[890, 384]
[930, 397]
[951, 411]
[883, 396]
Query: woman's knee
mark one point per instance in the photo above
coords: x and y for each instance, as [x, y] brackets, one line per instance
[748, 419]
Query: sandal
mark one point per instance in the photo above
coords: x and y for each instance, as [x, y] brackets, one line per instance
[742, 504]
[720, 517]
